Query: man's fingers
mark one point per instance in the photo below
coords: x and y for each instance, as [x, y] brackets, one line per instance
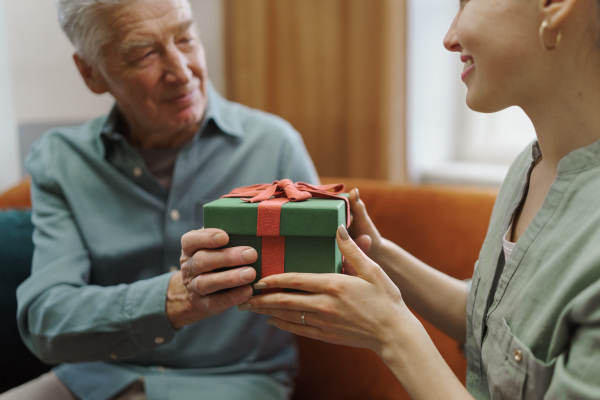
[207, 284]
[211, 260]
[209, 238]
[219, 302]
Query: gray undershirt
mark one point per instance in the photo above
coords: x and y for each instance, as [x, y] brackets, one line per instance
[160, 163]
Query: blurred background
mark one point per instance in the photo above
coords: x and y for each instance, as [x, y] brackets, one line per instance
[367, 83]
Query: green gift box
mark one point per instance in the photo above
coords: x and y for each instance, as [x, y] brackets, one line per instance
[306, 241]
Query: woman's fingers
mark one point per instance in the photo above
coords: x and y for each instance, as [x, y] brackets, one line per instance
[361, 222]
[364, 242]
[287, 306]
[309, 331]
[356, 261]
[296, 281]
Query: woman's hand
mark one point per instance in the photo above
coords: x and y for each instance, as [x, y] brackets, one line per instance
[361, 309]
[362, 229]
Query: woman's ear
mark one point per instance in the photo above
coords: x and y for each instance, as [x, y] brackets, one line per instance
[91, 75]
[555, 12]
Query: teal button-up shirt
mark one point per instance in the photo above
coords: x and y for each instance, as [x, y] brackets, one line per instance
[107, 237]
[537, 334]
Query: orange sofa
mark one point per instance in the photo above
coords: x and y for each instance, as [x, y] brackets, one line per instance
[442, 225]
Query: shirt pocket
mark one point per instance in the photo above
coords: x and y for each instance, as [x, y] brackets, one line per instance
[513, 371]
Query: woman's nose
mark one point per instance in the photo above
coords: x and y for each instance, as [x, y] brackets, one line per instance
[451, 40]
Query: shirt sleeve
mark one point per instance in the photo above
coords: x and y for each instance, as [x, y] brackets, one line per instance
[61, 316]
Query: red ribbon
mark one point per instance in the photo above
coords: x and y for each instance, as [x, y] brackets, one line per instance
[271, 197]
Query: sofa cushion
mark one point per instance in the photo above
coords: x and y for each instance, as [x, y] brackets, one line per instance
[16, 250]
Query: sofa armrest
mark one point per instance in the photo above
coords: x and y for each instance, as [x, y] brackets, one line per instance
[17, 196]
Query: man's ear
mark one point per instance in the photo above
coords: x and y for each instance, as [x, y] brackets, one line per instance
[91, 75]
[555, 12]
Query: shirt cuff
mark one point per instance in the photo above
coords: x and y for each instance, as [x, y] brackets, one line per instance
[145, 309]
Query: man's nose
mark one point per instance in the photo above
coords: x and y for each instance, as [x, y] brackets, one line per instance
[176, 67]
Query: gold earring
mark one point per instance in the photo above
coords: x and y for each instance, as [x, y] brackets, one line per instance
[541, 32]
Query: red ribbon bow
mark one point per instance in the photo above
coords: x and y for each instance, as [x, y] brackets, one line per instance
[272, 197]
[299, 191]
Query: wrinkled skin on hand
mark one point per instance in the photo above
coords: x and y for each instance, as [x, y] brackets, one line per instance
[212, 279]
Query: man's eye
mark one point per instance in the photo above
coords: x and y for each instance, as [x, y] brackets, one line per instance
[186, 39]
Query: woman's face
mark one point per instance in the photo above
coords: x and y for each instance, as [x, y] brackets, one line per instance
[497, 41]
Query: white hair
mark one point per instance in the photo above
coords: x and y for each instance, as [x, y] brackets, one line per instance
[84, 23]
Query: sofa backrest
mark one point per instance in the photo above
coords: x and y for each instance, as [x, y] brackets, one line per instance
[443, 226]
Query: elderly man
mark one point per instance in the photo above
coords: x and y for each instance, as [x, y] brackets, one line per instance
[106, 299]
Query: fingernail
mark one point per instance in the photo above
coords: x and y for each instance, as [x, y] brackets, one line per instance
[357, 194]
[249, 255]
[273, 323]
[219, 239]
[247, 292]
[247, 274]
[260, 285]
[245, 307]
[343, 233]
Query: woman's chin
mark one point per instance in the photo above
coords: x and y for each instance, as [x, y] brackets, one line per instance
[480, 105]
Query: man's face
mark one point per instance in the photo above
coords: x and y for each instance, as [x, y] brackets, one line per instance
[155, 68]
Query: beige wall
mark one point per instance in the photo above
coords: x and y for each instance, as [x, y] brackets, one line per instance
[46, 84]
[9, 163]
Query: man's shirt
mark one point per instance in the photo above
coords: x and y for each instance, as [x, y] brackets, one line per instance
[108, 238]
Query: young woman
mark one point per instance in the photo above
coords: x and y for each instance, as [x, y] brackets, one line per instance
[530, 317]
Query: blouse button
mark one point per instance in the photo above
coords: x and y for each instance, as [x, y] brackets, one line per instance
[174, 215]
[159, 340]
[518, 355]
[137, 172]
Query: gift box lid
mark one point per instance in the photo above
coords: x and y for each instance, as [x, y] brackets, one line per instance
[315, 217]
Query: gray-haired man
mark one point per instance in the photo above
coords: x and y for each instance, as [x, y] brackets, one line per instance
[121, 297]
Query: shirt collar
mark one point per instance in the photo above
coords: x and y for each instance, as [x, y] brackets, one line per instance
[218, 109]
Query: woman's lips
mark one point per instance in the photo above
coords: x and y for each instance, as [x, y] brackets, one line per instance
[469, 66]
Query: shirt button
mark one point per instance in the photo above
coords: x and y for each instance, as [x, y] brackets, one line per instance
[159, 340]
[137, 172]
[518, 355]
[174, 269]
[113, 356]
[174, 215]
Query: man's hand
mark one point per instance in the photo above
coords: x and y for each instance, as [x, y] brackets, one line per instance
[201, 288]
